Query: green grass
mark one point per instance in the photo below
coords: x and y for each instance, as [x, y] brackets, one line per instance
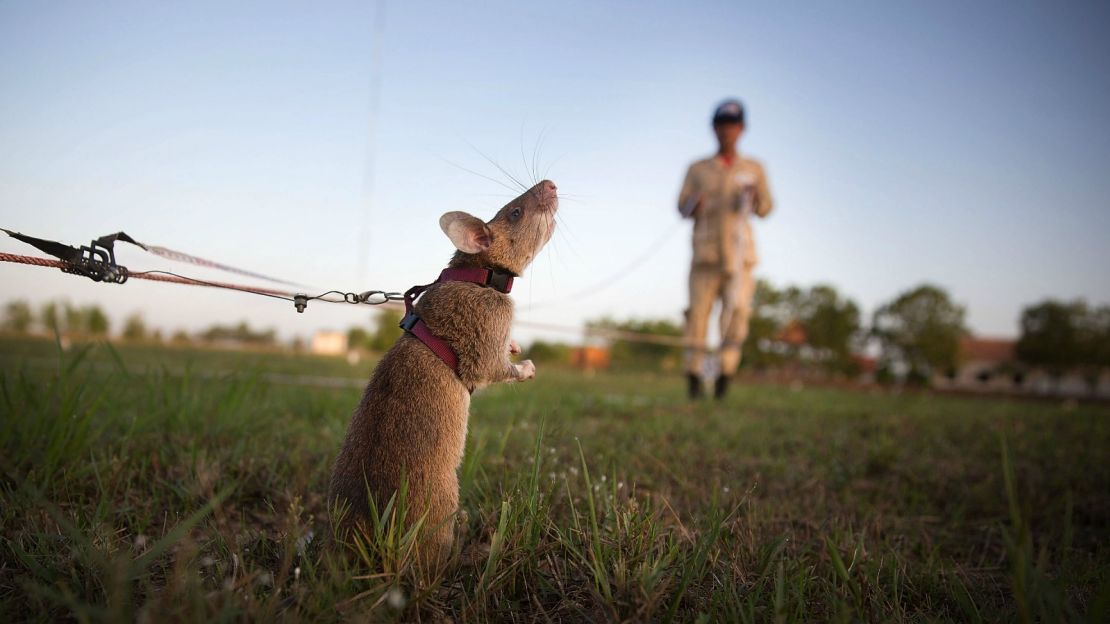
[136, 484]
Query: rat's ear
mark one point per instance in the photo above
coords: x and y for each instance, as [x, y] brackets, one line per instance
[469, 234]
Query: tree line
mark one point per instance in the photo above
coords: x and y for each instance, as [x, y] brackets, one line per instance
[916, 335]
[386, 331]
[55, 317]
[1061, 336]
[62, 318]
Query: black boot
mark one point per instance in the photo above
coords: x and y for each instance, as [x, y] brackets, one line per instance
[720, 389]
[694, 389]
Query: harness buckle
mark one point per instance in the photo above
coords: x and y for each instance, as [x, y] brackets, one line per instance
[409, 321]
[500, 281]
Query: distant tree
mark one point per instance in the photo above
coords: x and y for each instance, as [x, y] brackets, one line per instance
[74, 318]
[1050, 335]
[388, 329]
[1100, 345]
[241, 333]
[94, 321]
[1065, 336]
[543, 351]
[134, 328]
[180, 337]
[18, 317]
[66, 318]
[245, 334]
[764, 324]
[51, 318]
[921, 329]
[832, 326]
[359, 338]
[265, 336]
[884, 375]
[629, 353]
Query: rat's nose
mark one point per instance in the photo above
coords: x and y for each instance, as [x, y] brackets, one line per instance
[547, 190]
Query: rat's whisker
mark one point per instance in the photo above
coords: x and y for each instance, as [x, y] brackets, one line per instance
[550, 270]
[567, 235]
[536, 153]
[523, 158]
[572, 199]
[500, 168]
[482, 175]
[552, 164]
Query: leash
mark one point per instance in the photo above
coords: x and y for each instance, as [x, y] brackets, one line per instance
[97, 261]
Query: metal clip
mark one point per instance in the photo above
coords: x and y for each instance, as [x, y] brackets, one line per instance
[98, 263]
[300, 301]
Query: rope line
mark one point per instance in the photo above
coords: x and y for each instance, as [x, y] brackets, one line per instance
[44, 262]
[174, 278]
[181, 256]
[613, 334]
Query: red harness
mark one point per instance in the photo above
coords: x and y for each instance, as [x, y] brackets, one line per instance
[413, 324]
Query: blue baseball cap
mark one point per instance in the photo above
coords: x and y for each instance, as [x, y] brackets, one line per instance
[729, 111]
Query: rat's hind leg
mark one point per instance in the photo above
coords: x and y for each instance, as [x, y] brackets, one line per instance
[438, 530]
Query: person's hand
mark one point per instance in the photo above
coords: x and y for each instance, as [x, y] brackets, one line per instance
[693, 206]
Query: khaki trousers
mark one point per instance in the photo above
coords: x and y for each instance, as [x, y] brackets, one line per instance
[735, 290]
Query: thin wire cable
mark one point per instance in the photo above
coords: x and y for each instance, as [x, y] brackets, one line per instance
[601, 285]
[363, 256]
[605, 332]
[169, 276]
[347, 297]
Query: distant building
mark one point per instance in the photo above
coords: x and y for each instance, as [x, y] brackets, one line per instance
[867, 367]
[791, 342]
[987, 364]
[329, 343]
[991, 365]
[590, 358]
[793, 334]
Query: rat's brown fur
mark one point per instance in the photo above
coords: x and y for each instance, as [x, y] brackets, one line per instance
[411, 422]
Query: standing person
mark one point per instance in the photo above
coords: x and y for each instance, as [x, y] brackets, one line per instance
[720, 192]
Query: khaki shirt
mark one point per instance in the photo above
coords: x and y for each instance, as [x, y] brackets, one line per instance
[729, 194]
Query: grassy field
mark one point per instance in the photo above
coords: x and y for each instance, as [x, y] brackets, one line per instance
[158, 485]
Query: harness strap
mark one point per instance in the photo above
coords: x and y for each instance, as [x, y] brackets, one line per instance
[497, 280]
[413, 324]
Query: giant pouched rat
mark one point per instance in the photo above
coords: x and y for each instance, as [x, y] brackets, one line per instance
[410, 425]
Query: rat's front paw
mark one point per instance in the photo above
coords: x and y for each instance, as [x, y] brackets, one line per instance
[527, 370]
[514, 348]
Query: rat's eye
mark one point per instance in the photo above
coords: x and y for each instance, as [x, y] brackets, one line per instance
[515, 213]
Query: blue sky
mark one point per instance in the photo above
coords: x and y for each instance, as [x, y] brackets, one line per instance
[962, 146]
